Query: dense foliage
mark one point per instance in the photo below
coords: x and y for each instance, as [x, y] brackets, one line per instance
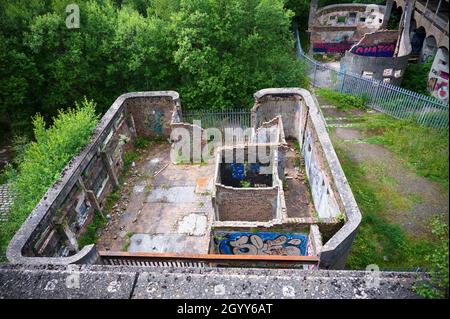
[416, 77]
[342, 101]
[217, 53]
[43, 160]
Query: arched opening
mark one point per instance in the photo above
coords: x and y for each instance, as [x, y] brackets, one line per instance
[394, 19]
[429, 48]
[417, 39]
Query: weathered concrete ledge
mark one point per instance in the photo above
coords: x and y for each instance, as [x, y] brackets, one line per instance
[112, 282]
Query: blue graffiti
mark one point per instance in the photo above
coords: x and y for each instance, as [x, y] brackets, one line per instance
[154, 121]
[237, 171]
[261, 243]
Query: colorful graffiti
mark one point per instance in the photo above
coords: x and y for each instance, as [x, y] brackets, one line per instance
[155, 121]
[441, 90]
[340, 47]
[380, 50]
[261, 243]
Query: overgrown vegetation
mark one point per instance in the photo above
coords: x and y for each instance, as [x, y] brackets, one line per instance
[43, 160]
[424, 149]
[416, 77]
[215, 53]
[378, 241]
[91, 235]
[437, 287]
[342, 101]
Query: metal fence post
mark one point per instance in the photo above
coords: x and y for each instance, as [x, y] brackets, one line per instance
[315, 71]
[343, 82]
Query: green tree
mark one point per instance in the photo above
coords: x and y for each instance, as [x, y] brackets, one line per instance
[229, 49]
[43, 161]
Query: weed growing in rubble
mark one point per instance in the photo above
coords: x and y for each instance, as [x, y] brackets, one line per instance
[92, 232]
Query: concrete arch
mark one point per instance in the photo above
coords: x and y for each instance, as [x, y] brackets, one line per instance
[424, 18]
[429, 48]
[441, 39]
[418, 36]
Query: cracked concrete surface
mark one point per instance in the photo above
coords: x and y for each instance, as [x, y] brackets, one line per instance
[168, 213]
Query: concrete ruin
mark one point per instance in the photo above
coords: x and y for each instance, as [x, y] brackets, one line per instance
[356, 32]
[336, 28]
[192, 209]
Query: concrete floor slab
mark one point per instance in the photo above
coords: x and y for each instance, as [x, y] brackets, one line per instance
[193, 225]
[161, 243]
[178, 194]
[168, 243]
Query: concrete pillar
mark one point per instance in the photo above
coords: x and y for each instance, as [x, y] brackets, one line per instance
[91, 197]
[387, 13]
[312, 16]
[109, 168]
[72, 238]
[438, 7]
[133, 126]
[404, 42]
[94, 201]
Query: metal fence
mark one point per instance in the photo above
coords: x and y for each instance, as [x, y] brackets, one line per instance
[223, 119]
[383, 97]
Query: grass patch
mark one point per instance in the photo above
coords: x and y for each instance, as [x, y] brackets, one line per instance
[128, 159]
[342, 101]
[423, 149]
[127, 242]
[91, 235]
[377, 238]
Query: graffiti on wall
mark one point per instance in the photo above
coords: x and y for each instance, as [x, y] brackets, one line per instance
[332, 47]
[441, 90]
[155, 121]
[380, 50]
[261, 243]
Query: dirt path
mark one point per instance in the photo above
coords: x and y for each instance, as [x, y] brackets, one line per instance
[411, 200]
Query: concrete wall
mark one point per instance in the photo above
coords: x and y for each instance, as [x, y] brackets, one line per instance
[250, 204]
[432, 24]
[438, 77]
[324, 162]
[336, 28]
[246, 204]
[50, 233]
[323, 191]
[378, 44]
[389, 70]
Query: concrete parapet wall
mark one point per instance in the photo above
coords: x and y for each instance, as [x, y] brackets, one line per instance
[326, 165]
[50, 233]
[374, 67]
[119, 282]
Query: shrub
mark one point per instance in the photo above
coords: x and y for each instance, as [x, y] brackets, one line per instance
[44, 159]
[342, 101]
[437, 287]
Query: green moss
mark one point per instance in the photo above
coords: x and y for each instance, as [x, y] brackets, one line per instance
[127, 241]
